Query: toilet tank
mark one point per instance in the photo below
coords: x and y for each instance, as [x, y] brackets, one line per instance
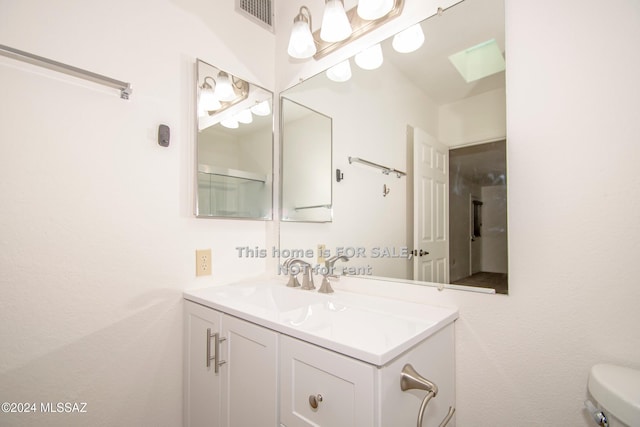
[617, 391]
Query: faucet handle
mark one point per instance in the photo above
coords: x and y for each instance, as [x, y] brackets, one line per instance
[293, 281]
[307, 282]
[325, 288]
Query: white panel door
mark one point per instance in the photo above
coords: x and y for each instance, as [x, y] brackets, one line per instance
[250, 374]
[431, 208]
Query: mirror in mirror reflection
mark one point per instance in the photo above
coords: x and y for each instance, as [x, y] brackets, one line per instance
[234, 146]
[306, 164]
[418, 112]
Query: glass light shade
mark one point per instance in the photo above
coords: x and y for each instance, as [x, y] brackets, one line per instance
[301, 44]
[244, 116]
[208, 100]
[408, 40]
[340, 72]
[230, 123]
[370, 58]
[335, 24]
[374, 9]
[261, 109]
[224, 91]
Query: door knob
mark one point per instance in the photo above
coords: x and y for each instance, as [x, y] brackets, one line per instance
[415, 252]
[314, 400]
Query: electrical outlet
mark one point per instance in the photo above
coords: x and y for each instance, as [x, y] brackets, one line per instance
[203, 262]
[321, 249]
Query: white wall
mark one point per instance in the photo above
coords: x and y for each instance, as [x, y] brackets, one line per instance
[460, 193]
[92, 269]
[574, 194]
[480, 118]
[494, 229]
[96, 220]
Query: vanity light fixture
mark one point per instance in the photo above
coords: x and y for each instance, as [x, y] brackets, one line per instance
[370, 58]
[230, 123]
[339, 27]
[301, 43]
[224, 90]
[408, 40]
[335, 24]
[261, 109]
[340, 72]
[244, 116]
[208, 100]
[374, 9]
[218, 94]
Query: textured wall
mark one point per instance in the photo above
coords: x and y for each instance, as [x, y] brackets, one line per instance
[574, 194]
[97, 236]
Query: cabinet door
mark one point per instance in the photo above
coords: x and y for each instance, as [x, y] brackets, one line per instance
[201, 382]
[340, 388]
[250, 374]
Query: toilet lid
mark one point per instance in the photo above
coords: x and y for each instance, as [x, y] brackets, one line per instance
[617, 390]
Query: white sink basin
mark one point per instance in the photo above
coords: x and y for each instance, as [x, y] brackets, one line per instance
[368, 328]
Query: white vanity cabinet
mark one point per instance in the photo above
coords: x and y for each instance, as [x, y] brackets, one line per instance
[243, 390]
[319, 387]
[294, 358]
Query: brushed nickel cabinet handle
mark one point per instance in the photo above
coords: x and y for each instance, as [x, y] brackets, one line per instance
[216, 342]
[209, 358]
[216, 350]
[315, 400]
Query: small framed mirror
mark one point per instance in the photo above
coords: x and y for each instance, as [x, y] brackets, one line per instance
[306, 164]
[234, 146]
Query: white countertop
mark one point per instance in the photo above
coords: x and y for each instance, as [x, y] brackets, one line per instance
[368, 328]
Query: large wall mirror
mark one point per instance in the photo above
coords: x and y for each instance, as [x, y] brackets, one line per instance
[234, 146]
[420, 142]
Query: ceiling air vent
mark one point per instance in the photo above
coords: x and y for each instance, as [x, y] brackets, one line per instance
[259, 11]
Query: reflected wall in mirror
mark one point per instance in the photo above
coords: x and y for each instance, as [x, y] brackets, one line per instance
[234, 146]
[413, 113]
[306, 164]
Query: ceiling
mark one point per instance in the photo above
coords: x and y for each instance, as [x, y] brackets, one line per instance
[463, 25]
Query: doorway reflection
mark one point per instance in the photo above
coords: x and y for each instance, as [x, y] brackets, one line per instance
[478, 212]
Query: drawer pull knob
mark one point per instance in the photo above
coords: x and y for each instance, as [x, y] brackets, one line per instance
[314, 400]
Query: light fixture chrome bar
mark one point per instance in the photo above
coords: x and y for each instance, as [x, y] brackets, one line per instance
[125, 88]
[313, 207]
[385, 169]
[360, 28]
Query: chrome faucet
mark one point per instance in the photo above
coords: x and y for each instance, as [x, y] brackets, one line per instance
[326, 288]
[307, 279]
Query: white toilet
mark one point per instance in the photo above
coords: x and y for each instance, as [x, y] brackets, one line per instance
[616, 391]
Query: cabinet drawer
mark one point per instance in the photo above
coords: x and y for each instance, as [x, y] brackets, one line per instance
[343, 388]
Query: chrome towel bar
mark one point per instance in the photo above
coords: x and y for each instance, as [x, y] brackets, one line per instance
[385, 170]
[9, 52]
